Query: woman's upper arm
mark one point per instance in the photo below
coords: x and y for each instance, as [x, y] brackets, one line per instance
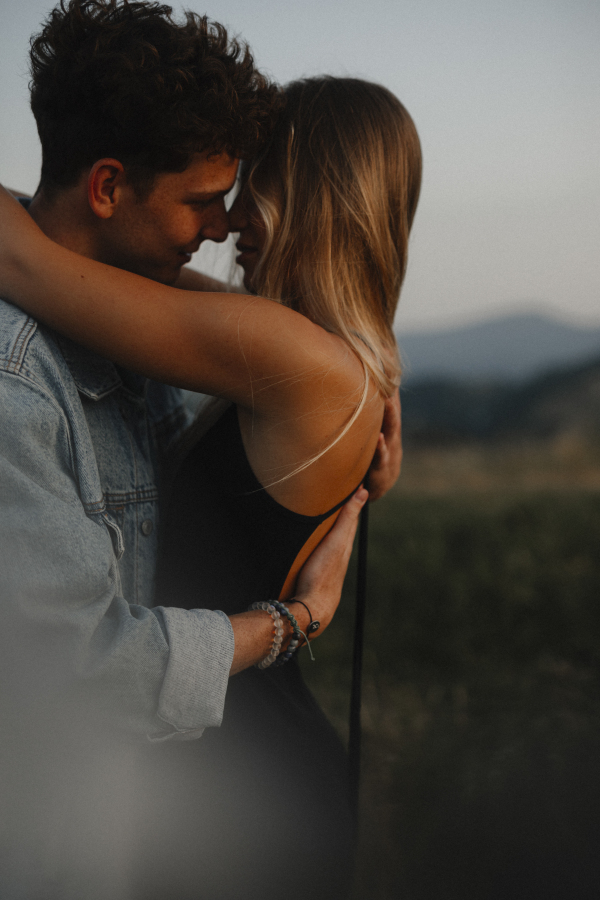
[248, 349]
[253, 351]
[192, 280]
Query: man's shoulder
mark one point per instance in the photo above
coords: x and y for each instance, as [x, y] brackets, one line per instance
[28, 349]
[16, 331]
[32, 361]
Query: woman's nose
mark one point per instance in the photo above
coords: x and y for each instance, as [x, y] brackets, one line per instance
[237, 215]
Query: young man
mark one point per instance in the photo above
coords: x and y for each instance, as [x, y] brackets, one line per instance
[141, 121]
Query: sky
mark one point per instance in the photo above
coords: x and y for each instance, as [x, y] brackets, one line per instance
[506, 98]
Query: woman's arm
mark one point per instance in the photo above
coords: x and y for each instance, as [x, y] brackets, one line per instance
[319, 585]
[192, 280]
[250, 350]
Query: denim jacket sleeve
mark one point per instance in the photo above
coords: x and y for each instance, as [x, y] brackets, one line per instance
[164, 670]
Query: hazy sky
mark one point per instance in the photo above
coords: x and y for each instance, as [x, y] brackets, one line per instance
[506, 98]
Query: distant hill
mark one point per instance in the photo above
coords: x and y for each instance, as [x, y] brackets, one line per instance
[565, 400]
[511, 348]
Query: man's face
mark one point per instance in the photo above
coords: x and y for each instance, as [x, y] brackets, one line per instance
[156, 236]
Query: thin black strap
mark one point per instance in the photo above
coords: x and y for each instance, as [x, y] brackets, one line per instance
[357, 659]
[343, 502]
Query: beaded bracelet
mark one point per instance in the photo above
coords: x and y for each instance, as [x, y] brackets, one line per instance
[298, 633]
[277, 633]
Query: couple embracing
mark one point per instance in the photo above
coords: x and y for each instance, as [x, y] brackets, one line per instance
[189, 632]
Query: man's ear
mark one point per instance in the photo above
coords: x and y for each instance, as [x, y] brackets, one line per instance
[106, 181]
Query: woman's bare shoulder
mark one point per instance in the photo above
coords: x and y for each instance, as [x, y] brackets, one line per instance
[279, 449]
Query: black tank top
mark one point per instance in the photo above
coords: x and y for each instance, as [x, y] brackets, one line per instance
[225, 541]
[275, 772]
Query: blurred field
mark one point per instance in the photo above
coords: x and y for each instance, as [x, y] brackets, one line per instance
[567, 462]
[482, 703]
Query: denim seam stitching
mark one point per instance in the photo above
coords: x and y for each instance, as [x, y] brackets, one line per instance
[110, 502]
[136, 496]
[96, 508]
[20, 345]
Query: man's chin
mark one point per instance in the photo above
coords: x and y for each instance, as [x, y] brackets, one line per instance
[167, 275]
[170, 280]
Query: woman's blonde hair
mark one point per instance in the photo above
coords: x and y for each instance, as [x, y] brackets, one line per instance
[337, 188]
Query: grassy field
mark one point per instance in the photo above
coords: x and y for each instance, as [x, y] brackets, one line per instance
[482, 703]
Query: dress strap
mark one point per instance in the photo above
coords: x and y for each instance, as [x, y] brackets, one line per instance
[339, 505]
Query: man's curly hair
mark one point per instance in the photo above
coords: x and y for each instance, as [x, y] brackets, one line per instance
[124, 79]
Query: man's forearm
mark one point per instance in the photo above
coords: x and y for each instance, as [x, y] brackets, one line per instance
[60, 580]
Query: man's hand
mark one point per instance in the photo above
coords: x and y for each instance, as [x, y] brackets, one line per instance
[322, 576]
[387, 461]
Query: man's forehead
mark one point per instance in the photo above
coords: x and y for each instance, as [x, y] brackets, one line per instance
[204, 177]
[211, 172]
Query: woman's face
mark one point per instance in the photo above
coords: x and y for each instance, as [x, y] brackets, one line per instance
[245, 219]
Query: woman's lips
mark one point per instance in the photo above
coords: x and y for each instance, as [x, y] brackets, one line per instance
[246, 254]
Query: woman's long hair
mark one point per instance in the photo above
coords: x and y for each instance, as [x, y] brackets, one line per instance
[337, 188]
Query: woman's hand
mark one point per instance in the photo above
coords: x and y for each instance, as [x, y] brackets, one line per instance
[322, 576]
[387, 461]
[319, 586]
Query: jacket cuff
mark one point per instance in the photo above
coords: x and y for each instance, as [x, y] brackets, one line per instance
[192, 696]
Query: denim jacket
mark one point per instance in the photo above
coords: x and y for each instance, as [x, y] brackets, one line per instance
[80, 442]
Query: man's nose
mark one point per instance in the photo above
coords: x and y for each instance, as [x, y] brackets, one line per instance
[217, 227]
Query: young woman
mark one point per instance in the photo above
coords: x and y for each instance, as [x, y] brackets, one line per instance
[324, 218]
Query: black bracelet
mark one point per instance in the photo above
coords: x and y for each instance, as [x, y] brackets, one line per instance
[313, 626]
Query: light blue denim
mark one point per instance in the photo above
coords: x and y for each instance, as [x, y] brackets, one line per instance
[80, 443]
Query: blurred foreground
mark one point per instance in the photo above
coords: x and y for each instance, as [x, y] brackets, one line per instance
[481, 762]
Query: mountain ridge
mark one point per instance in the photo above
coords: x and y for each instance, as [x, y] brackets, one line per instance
[566, 399]
[506, 348]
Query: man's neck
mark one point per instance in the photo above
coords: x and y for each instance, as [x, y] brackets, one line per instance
[64, 218]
